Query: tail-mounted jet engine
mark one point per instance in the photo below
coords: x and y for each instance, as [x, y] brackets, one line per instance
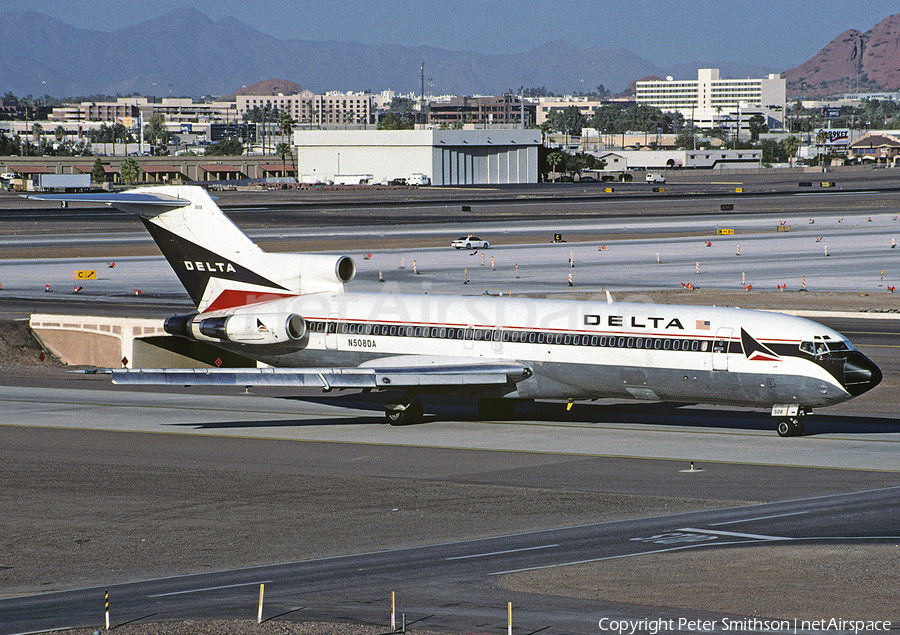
[264, 328]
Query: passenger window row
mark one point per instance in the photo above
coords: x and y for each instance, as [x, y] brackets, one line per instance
[513, 336]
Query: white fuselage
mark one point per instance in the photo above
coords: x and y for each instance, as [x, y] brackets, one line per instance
[577, 349]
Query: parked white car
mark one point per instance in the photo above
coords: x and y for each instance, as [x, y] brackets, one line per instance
[470, 242]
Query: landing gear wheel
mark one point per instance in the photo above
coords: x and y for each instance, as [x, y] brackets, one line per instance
[412, 414]
[790, 427]
[491, 408]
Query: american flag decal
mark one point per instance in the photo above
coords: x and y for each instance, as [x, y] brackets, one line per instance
[702, 325]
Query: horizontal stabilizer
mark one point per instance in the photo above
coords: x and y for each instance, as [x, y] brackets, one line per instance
[395, 377]
[128, 201]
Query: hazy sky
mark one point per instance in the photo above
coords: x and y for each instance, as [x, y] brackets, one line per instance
[781, 34]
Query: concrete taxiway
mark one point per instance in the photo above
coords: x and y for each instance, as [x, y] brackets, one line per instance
[701, 434]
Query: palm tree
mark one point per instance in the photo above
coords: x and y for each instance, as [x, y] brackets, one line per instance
[554, 159]
[130, 171]
[821, 149]
[286, 122]
[283, 150]
[791, 145]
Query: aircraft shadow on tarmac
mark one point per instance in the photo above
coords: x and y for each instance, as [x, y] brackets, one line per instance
[677, 415]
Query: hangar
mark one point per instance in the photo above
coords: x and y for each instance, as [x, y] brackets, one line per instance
[446, 157]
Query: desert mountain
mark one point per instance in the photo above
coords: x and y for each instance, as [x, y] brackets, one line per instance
[186, 53]
[853, 60]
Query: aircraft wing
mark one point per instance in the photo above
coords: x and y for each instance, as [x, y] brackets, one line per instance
[384, 378]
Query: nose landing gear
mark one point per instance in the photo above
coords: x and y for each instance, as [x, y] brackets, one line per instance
[790, 427]
[790, 423]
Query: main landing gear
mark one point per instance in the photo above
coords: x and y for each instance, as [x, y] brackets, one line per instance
[407, 410]
[404, 411]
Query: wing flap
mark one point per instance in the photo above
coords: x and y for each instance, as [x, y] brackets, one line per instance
[396, 377]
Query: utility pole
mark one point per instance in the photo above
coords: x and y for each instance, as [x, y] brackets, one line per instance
[422, 102]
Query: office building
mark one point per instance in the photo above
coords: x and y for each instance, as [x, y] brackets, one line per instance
[457, 111]
[712, 102]
[311, 110]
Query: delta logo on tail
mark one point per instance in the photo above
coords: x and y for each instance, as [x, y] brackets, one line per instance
[757, 352]
[208, 277]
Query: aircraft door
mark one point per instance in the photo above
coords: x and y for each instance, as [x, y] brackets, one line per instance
[720, 349]
[331, 331]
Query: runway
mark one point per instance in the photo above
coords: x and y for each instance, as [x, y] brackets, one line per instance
[172, 499]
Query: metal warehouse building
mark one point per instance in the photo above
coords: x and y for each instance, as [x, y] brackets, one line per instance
[446, 157]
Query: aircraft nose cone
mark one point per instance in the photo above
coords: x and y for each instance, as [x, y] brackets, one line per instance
[860, 374]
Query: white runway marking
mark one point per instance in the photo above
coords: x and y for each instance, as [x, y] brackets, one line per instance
[750, 520]
[500, 553]
[212, 588]
[732, 534]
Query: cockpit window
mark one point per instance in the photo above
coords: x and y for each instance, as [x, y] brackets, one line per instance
[822, 348]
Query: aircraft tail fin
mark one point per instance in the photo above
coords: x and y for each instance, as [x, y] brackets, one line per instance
[218, 265]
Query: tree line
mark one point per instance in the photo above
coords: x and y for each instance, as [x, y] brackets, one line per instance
[609, 119]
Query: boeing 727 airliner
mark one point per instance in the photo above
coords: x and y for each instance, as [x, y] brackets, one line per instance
[291, 313]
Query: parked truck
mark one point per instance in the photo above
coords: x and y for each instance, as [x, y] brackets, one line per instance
[63, 182]
[418, 179]
[352, 179]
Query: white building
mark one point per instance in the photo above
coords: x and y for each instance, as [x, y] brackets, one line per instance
[712, 102]
[620, 160]
[446, 157]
